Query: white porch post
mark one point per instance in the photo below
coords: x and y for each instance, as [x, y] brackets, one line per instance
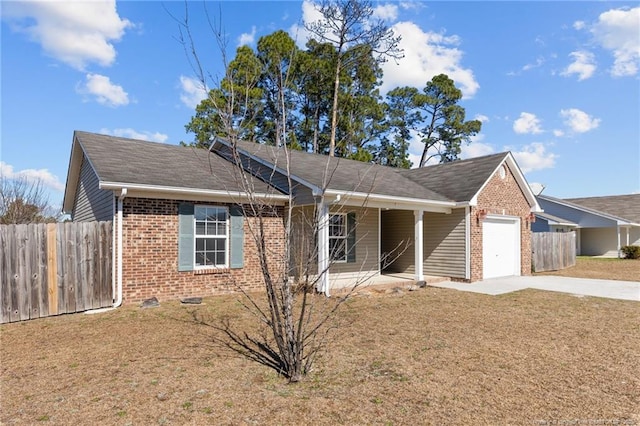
[418, 246]
[628, 230]
[618, 229]
[323, 248]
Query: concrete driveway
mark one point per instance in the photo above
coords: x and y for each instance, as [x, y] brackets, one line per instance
[624, 290]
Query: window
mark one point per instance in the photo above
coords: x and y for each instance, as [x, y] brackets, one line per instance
[211, 236]
[338, 237]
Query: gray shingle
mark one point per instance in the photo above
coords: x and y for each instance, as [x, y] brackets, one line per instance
[623, 206]
[343, 174]
[134, 161]
[459, 180]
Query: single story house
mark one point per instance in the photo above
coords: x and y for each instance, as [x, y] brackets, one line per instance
[182, 226]
[602, 224]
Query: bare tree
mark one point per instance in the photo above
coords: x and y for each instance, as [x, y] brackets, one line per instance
[294, 321]
[23, 201]
[349, 23]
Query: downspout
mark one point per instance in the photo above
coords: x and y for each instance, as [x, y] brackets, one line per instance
[118, 300]
[113, 248]
[116, 256]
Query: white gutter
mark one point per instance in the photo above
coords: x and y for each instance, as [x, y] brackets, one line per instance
[392, 200]
[114, 186]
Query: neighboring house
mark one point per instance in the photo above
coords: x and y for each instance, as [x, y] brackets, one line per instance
[602, 224]
[466, 220]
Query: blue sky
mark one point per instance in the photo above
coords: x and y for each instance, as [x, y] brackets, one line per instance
[556, 83]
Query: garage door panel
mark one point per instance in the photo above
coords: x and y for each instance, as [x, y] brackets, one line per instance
[500, 247]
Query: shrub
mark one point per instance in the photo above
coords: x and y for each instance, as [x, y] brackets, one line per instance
[631, 252]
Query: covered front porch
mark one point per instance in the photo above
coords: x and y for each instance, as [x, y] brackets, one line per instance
[394, 244]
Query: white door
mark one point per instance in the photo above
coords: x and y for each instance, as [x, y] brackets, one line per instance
[500, 247]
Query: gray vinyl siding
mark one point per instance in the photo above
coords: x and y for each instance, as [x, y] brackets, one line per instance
[304, 246]
[445, 244]
[91, 203]
[397, 240]
[366, 241]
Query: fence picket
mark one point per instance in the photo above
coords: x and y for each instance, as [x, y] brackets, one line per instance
[552, 251]
[50, 269]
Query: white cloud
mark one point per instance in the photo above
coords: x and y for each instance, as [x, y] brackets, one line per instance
[482, 118]
[74, 32]
[310, 13]
[579, 121]
[43, 176]
[578, 25]
[538, 63]
[105, 92]
[134, 134]
[583, 65]
[476, 149]
[427, 54]
[617, 31]
[558, 133]
[534, 157]
[247, 38]
[386, 12]
[527, 123]
[193, 91]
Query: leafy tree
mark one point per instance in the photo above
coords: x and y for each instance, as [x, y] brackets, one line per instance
[277, 54]
[314, 80]
[402, 118]
[238, 100]
[346, 24]
[444, 126]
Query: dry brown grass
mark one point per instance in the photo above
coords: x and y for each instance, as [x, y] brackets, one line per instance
[602, 268]
[433, 356]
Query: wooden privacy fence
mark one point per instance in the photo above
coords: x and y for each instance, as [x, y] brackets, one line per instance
[553, 251]
[54, 268]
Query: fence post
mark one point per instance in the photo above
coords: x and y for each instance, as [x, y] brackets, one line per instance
[52, 269]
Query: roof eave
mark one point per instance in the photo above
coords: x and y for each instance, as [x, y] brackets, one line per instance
[390, 201]
[170, 192]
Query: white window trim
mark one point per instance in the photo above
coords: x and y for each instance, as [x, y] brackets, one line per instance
[226, 237]
[344, 237]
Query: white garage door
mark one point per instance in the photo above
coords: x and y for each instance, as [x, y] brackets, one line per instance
[500, 247]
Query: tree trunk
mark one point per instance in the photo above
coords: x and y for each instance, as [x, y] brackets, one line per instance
[334, 112]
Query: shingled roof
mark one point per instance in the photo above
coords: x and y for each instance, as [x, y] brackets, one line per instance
[129, 161]
[458, 180]
[623, 206]
[125, 161]
[341, 174]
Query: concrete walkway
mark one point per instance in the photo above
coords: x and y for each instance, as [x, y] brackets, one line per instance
[624, 290]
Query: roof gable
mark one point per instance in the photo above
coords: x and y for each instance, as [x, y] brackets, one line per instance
[458, 180]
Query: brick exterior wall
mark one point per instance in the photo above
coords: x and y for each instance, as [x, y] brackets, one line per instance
[502, 197]
[150, 255]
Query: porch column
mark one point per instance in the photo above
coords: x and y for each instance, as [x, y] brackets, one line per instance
[323, 248]
[618, 229]
[418, 246]
[628, 228]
